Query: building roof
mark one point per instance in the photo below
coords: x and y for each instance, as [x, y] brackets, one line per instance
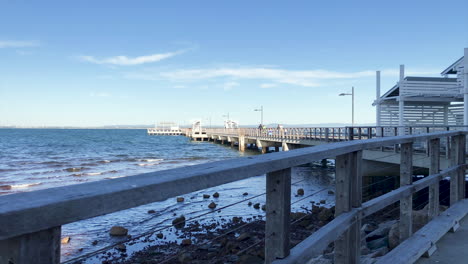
[395, 90]
[452, 69]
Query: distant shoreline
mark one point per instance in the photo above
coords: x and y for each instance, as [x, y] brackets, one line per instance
[151, 126]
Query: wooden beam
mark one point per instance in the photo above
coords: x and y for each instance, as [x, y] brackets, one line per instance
[406, 203]
[41, 247]
[410, 250]
[348, 180]
[315, 244]
[278, 208]
[434, 155]
[457, 179]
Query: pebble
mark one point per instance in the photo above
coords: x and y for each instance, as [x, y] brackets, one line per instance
[331, 192]
[160, 235]
[179, 222]
[212, 205]
[257, 206]
[95, 242]
[180, 199]
[216, 195]
[245, 194]
[121, 247]
[65, 240]
[118, 231]
[323, 201]
[151, 211]
[264, 207]
[249, 204]
[186, 242]
[300, 191]
[206, 196]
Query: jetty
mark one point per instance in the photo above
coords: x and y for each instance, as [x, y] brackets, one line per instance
[30, 222]
[165, 129]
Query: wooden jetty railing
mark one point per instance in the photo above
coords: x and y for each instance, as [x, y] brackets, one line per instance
[332, 134]
[30, 223]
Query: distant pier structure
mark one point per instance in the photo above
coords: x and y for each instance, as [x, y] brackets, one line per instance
[197, 133]
[166, 129]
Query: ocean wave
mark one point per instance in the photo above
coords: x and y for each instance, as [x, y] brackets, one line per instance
[45, 172]
[19, 186]
[115, 177]
[5, 187]
[150, 160]
[74, 169]
[93, 173]
[104, 161]
[195, 158]
[147, 164]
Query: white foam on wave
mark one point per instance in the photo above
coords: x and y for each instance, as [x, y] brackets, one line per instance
[115, 177]
[23, 186]
[93, 173]
[150, 160]
[148, 164]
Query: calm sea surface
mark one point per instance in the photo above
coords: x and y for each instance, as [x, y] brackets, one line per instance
[33, 159]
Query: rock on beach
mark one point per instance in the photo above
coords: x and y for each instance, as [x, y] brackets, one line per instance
[118, 231]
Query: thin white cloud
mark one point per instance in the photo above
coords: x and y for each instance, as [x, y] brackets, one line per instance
[127, 61]
[268, 85]
[17, 44]
[230, 85]
[271, 76]
[308, 78]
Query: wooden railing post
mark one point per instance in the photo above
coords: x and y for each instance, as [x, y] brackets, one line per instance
[406, 178]
[41, 247]
[457, 179]
[350, 133]
[434, 155]
[327, 133]
[278, 208]
[348, 195]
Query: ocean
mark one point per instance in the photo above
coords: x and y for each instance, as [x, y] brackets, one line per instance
[33, 159]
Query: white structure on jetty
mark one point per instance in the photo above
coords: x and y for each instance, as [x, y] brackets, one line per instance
[422, 101]
[231, 124]
[198, 132]
[165, 128]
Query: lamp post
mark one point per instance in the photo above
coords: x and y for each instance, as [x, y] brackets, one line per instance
[261, 114]
[352, 104]
[226, 123]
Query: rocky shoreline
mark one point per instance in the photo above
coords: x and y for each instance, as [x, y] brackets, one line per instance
[241, 241]
[226, 240]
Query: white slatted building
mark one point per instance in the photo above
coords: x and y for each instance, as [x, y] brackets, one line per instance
[426, 101]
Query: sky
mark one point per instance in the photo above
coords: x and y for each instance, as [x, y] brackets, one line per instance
[95, 63]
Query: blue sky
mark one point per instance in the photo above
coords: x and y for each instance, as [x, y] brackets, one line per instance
[92, 63]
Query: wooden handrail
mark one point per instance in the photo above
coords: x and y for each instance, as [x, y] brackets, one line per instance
[28, 214]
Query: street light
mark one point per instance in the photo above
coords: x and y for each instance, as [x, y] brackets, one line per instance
[260, 110]
[227, 120]
[352, 101]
